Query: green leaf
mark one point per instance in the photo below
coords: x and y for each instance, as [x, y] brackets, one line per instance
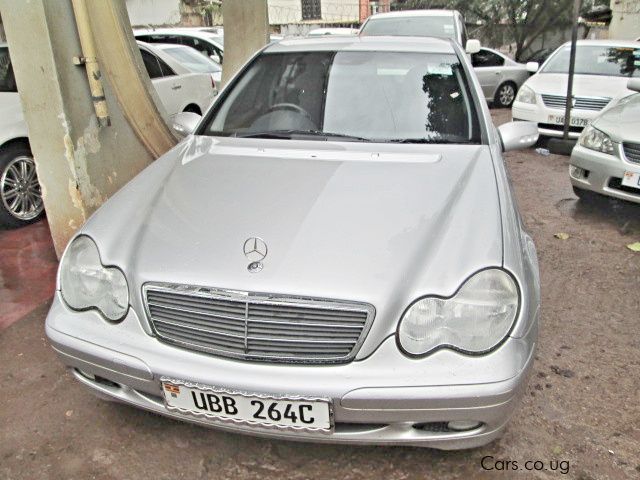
[634, 247]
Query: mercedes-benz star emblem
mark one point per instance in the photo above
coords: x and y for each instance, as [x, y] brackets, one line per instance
[255, 249]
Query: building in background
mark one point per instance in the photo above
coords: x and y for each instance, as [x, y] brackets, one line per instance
[625, 20]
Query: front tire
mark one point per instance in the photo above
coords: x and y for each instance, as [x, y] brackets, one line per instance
[20, 194]
[505, 95]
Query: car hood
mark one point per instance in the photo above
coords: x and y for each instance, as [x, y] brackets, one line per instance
[341, 221]
[583, 85]
[621, 121]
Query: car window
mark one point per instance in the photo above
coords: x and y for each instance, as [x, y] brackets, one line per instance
[486, 58]
[7, 78]
[597, 60]
[438, 26]
[193, 60]
[202, 46]
[372, 95]
[167, 71]
[152, 64]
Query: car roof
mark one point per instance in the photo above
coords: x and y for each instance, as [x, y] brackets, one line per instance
[606, 43]
[363, 43]
[416, 13]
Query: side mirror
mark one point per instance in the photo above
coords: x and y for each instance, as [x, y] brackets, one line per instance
[215, 58]
[634, 84]
[185, 123]
[473, 46]
[518, 135]
[532, 67]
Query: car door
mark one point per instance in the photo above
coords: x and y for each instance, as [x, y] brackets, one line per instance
[488, 66]
[168, 85]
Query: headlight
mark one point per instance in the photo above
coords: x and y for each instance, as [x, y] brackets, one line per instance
[475, 320]
[526, 95]
[594, 139]
[87, 284]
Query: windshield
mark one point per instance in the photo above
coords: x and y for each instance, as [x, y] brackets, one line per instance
[368, 96]
[597, 60]
[193, 60]
[436, 26]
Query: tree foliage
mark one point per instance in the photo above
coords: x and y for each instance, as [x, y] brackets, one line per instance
[523, 21]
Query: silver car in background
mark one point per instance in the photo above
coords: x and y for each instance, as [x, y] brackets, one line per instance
[307, 264]
[606, 159]
[499, 76]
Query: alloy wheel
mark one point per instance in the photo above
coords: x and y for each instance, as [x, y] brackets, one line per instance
[506, 95]
[20, 190]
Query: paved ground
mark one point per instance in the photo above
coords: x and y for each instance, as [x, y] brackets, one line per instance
[581, 407]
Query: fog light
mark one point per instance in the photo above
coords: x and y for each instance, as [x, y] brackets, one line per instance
[578, 173]
[463, 425]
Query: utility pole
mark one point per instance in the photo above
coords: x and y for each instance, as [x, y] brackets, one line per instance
[572, 63]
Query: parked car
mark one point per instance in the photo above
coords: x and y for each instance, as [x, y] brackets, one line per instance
[499, 76]
[192, 60]
[606, 159]
[19, 188]
[313, 265]
[178, 89]
[602, 70]
[421, 23]
[206, 42]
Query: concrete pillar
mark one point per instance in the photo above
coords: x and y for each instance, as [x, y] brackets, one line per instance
[246, 30]
[79, 163]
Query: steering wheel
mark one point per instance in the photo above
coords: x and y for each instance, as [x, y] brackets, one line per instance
[290, 106]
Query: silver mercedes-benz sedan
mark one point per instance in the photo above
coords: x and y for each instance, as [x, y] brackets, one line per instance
[313, 265]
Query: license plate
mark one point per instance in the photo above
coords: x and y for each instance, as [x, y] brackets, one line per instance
[573, 121]
[630, 179]
[298, 413]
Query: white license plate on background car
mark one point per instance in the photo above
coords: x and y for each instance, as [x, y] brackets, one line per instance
[630, 179]
[573, 121]
[246, 408]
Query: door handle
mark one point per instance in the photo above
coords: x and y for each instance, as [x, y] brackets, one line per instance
[176, 87]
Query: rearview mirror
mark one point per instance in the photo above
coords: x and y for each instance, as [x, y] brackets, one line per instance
[634, 84]
[518, 135]
[473, 46]
[532, 67]
[184, 123]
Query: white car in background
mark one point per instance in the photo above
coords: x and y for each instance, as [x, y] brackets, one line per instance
[499, 76]
[189, 59]
[20, 197]
[606, 159]
[602, 70]
[204, 40]
[179, 86]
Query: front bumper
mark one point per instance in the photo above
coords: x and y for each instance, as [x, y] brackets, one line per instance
[539, 113]
[604, 172]
[385, 398]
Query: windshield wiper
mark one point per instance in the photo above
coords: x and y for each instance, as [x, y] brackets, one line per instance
[289, 134]
[425, 140]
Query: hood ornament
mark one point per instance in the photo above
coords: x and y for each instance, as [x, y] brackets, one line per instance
[255, 249]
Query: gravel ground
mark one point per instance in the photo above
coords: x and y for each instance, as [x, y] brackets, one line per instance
[580, 414]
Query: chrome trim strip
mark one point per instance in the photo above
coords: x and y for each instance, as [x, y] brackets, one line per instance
[257, 298]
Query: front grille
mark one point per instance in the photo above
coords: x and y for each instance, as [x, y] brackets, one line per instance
[560, 128]
[581, 103]
[632, 151]
[255, 326]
